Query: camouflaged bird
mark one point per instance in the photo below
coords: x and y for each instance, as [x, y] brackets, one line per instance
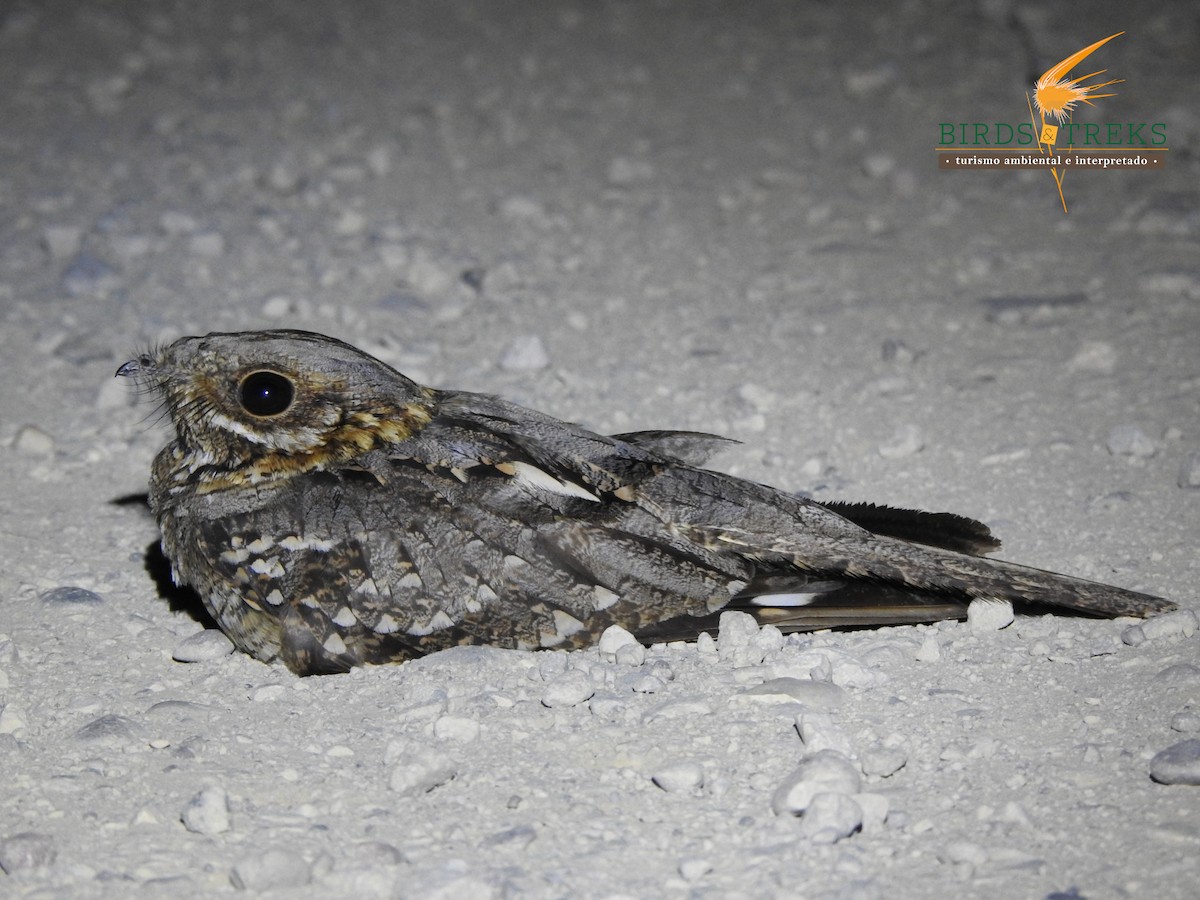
[331, 512]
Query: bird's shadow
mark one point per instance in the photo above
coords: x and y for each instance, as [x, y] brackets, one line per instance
[178, 598]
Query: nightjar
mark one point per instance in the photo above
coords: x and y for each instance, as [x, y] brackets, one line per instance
[330, 512]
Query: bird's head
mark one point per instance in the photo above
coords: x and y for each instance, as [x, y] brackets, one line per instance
[270, 403]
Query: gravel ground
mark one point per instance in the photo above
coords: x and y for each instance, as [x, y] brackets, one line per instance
[701, 215]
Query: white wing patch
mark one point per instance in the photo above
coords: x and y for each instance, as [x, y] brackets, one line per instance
[539, 480]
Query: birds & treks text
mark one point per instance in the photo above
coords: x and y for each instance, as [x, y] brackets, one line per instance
[1086, 134]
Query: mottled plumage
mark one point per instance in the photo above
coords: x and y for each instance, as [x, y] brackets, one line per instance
[331, 512]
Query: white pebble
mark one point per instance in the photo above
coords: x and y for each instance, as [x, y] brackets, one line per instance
[648, 684]
[818, 732]
[737, 639]
[677, 777]
[930, 650]
[1178, 764]
[615, 640]
[1189, 471]
[525, 353]
[1180, 623]
[456, 728]
[278, 306]
[831, 816]
[906, 441]
[32, 441]
[267, 693]
[62, 241]
[824, 772]
[416, 772]
[569, 689]
[966, 852]
[1133, 636]
[1129, 440]
[875, 809]
[1185, 722]
[207, 812]
[693, 868]
[202, 646]
[816, 695]
[1094, 356]
[760, 398]
[881, 762]
[989, 615]
[877, 165]
[270, 870]
[631, 655]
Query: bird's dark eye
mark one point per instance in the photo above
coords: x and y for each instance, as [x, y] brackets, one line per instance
[265, 393]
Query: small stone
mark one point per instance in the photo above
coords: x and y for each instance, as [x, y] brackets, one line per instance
[631, 655]
[736, 635]
[830, 817]
[930, 649]
[1094, 356]
[1189, 471]
[905, 442]
[278, 306]
[761, 399]
[880, 762]
[616, 639]
[283, 178]
[1178, 764]
[678, 777]
[1133, 636]
[207, 812]
[350, 223]
[967, 852]
[1187, 722]
[1180, 675]
[878, 165]
[816, 695]
[875, 809]
[895, 350]
[1177, 624]
[817, 731]
[109, 730]
[693, 868]
[456, 728]
[32, 441]
[1130, 440]
[267, 693]
[270, 870]
[989, 615]
[824, 772]
[62, 241]
[525, 353]
[203, 646]
[648, 684]
[569, 689]
[416, 772]
[25, 851]
[68, 595]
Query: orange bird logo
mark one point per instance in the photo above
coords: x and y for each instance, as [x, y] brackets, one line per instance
[1055, 96]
